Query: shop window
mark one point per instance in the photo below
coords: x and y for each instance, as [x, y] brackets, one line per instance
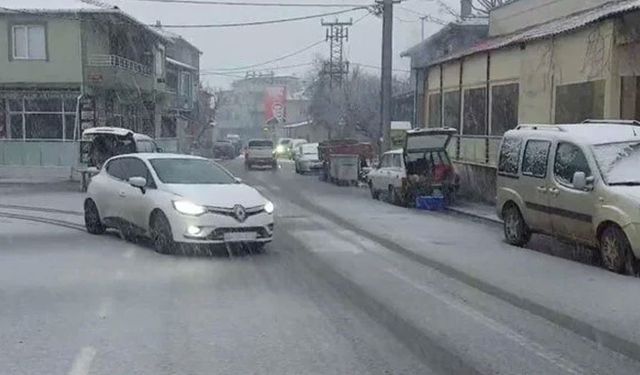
[452, 109]
[69, 129]
[580, 101]
[475, 120]
[43, 126]
[435, 105]
[15, 125]
[504, 108]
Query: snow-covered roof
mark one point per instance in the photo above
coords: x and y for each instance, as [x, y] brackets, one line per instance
[298, 124]
[590, 134]
[73, 7]
[400, 125]
[178, 63]
[60, 5]
[558, 26]
[107, 130]
[171, 36]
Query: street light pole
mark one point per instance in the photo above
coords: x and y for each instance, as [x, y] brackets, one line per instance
[386, 75]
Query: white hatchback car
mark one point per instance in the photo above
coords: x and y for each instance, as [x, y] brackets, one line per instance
[174, 199]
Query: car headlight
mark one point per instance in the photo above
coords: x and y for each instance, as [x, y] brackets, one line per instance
[189, 208]
[280, 149]
[269, 207]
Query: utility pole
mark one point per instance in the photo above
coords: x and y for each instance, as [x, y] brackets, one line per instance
[386, 75]
[337, 68]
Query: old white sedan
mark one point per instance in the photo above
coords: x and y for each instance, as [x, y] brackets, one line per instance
[175, 199]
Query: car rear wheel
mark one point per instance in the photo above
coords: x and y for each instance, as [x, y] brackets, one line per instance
[92, 218]
[616, 251]
[374, 194]
[516, 231]
[161, 235]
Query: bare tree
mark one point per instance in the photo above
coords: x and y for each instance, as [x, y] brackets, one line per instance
[352, 110]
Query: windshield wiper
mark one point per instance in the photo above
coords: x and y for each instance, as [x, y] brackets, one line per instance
[625, 183]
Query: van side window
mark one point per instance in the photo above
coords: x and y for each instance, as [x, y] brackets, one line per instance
[510, 156]
[397, 161]
[569, 160]
[534, 160]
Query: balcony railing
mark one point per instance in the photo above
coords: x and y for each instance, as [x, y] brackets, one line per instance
[119, 62]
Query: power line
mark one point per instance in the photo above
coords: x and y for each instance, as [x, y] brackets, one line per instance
[297, 52]
[266, 22]
[254, 4]
[283, 57]
[235, 73]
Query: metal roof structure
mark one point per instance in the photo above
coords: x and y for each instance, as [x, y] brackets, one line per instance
[545, 30]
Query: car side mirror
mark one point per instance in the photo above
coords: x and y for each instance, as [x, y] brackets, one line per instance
[579, 180]
[93, 170]
[139, 182]
[238, 180]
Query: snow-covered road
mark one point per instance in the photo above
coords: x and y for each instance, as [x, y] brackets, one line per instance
[349, 286]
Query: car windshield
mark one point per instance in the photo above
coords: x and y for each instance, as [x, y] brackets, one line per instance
[619, 162]
[190, 171]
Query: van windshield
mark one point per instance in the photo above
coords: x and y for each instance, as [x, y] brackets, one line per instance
[618, 162]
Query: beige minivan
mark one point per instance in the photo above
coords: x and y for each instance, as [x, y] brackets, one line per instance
[577, 182]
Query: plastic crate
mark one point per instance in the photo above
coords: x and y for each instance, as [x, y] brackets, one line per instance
[430, 203]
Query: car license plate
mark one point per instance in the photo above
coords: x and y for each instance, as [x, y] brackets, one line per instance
[240, 236]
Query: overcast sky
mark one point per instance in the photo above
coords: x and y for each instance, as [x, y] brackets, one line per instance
[225, 48]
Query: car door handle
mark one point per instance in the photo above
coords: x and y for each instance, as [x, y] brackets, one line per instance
[122, 194]
[554, 191]
[542, 189]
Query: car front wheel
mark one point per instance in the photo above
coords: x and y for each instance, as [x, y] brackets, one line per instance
[92, 218]
[516, 231]
[616, 251]
[374, 194]
[161, 235]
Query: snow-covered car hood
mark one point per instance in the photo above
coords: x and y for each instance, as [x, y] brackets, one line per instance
[219, 195]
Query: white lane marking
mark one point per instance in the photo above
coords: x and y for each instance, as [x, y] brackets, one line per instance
[82, 362]
[323, 241]
[105, 308]
[500, 328]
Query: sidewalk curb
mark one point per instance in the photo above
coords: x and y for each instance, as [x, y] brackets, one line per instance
[581, 327]
[462, 212]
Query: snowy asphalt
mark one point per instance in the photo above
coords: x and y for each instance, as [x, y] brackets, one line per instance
[323, 299]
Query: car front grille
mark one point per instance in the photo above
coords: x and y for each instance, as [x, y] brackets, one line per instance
[218, 233]
[250, 211]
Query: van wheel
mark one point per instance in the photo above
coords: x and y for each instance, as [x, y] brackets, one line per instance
[516, 231]
[616, 251]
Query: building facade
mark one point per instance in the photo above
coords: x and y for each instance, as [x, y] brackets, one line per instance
[63, 71]
[543, 62]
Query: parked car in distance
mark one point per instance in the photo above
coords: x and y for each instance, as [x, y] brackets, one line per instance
[577, 182]
[223, 150]
[420, 168]
[306, 158]
[174, 199]
[260, 152]
[388, 176]
[283, 148]
[101, 143]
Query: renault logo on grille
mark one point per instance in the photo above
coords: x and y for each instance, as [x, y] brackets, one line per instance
[240, 213]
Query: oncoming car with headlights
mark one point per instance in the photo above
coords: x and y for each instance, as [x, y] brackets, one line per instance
[173, 199]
